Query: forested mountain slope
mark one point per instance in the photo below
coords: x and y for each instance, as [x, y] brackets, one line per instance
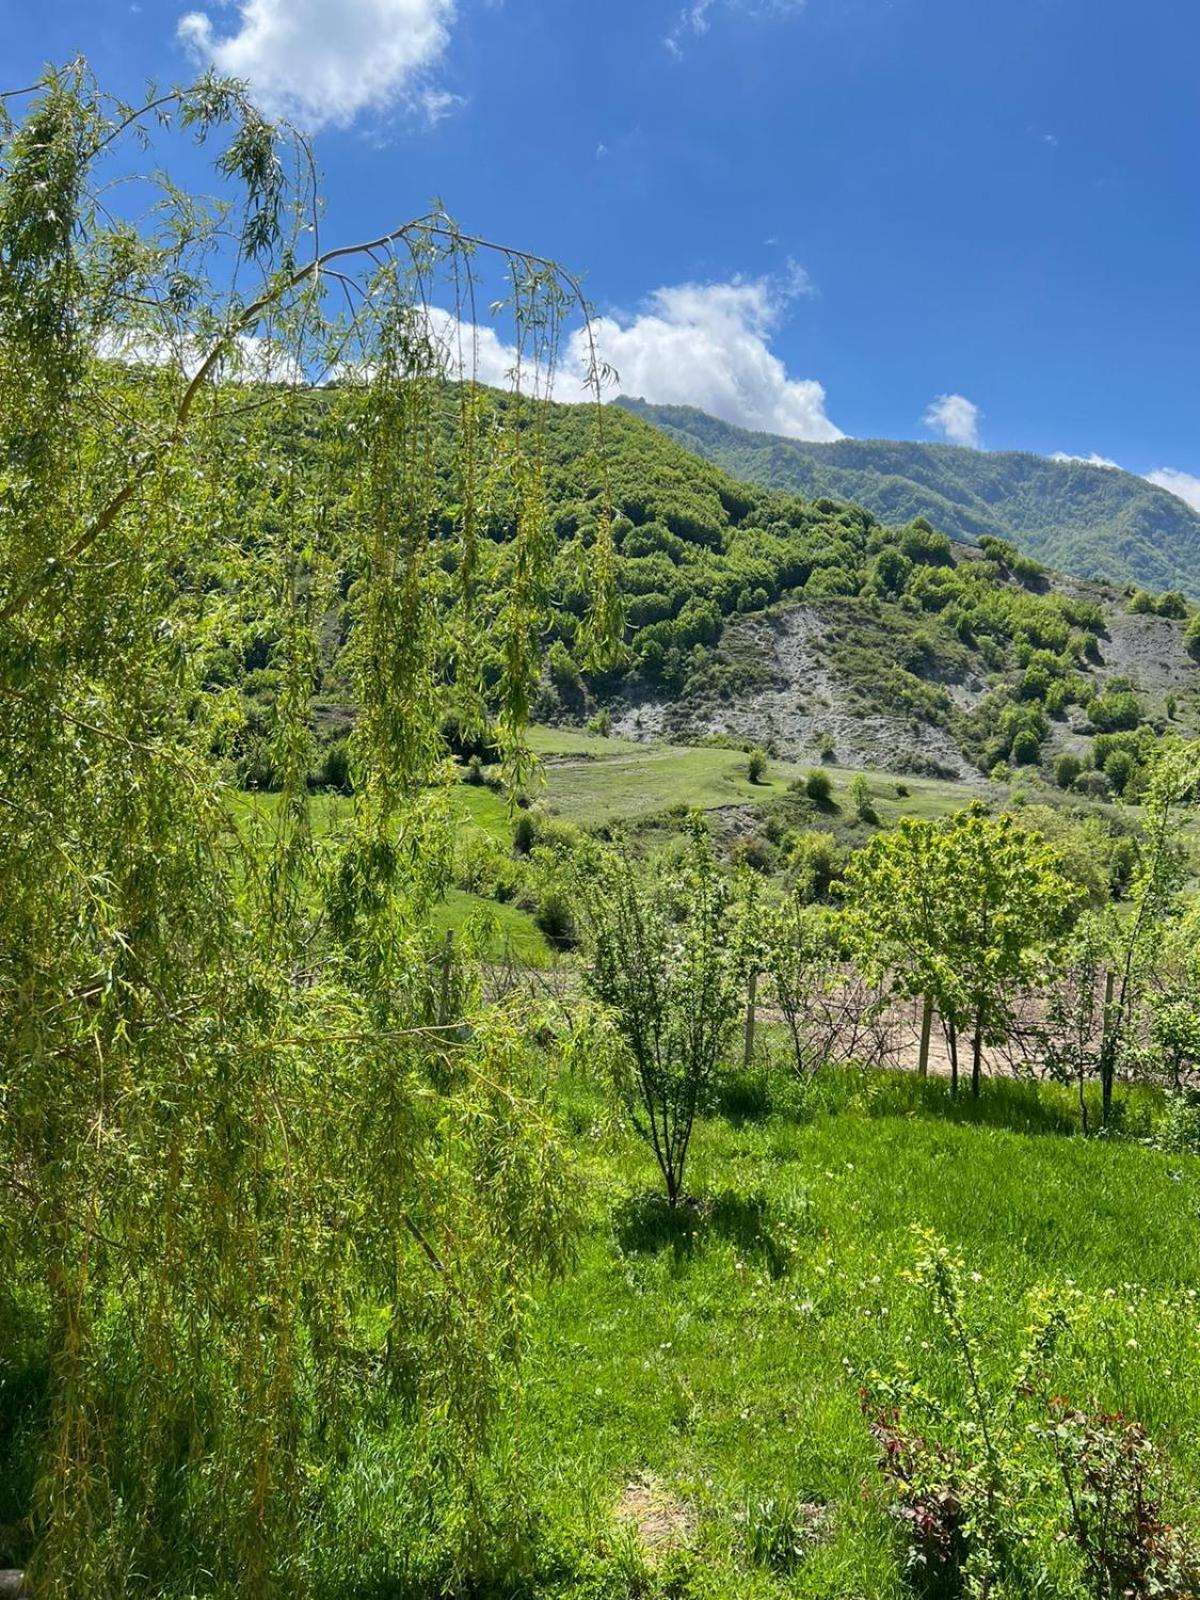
[1094, 522]
[813, 628]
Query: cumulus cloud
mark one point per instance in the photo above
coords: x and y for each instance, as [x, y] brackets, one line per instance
[694, 19]
[692, 344]
[323, 62]
[707, 345]
[956, 418]
[250, 358]
[1087, 461]
[1183, 485]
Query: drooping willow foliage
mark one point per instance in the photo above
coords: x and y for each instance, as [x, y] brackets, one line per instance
[261, 1198]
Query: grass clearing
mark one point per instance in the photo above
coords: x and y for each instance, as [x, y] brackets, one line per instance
[717, 1356]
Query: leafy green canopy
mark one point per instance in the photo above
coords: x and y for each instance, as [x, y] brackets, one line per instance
[265, 1165]
[1095, 522]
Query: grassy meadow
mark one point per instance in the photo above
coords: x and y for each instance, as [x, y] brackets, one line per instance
[691, 1424]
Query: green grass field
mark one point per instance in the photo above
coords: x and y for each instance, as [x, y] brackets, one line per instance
[722, 1364]
[592, 780]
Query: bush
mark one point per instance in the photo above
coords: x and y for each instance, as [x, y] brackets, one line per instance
[814, 862]
[1191, 637]
[755, 852]
[1066, 769]
[1025, 748]
[555, 919]
[335, 768]
[757, 766]
[863, 800]
[1092, 785]
[1115, 709]
[818, 786]
[663, 964]
[1119, 769]
[474, 774]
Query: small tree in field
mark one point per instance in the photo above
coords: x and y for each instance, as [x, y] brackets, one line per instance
[895, 889]
[961, 911]
[1007, 903]
[664, 960]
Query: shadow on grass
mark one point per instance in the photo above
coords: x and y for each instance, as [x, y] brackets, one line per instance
[758, 1230]
[1015, 1105]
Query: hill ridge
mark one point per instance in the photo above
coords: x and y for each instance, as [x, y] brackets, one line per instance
[1089, 521]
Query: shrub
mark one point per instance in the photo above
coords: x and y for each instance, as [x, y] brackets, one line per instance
[1066, 769]
[1119, 769]
[815, 862]
[662, 963]
[1025, 748]
[1191, 637]
[1092, 785]
[818, 786]
[601, 723]
[1114, 1480]
[335, 768]
[556, 920]
[756, 767]
[474, 774]
[755, 852]
[1115, 709]
[862, 799]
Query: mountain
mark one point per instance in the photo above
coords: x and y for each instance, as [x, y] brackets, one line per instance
[808, 626]
[1093, 522]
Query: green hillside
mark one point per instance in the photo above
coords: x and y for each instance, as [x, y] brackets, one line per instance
[756, 616]
[1094, 522]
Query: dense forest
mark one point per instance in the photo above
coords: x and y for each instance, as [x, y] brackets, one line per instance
[1092, 521]
[448, 1148]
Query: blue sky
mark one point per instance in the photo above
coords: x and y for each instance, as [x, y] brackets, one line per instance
[888, 218]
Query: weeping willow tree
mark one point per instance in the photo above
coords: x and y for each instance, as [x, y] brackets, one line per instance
[264, 1207]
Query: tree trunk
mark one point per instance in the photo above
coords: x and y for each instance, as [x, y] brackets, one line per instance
[952, 1041]
[976, 1056]
[748, 1045]
[1108, 1052]
[926, 1028]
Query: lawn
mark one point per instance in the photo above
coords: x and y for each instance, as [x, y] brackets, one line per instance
[717, 1369]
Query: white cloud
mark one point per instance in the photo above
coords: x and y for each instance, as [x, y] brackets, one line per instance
[706, 345]
[251, 359]
[1183, 485]
[693, 344]
[476, 351]
[324, 61]
[693, 19]
[1087, 461]
[956, 418]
